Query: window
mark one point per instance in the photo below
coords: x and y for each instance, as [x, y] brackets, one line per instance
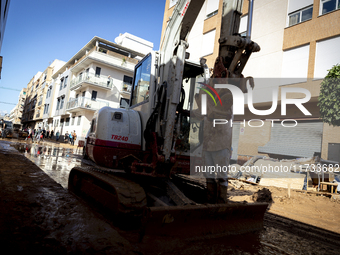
[127, 83]
[83, 93]
[326, 56]
[58, 103]
[127, 79]
[300, 15]
[102, 50]
[61, 83]
[94, 95]
[65, 82]
[62, 102]
[208, 43]
[124, 103]
[98, 69]
[141, 84]
[67, 123]
[243, 26]
[328, 6]
[87, 73]
[48, 91]
[72, 122]
[212, 8]
[295, 65]
[48, 106]
[44, 108]
[61, 122]
[79, 120]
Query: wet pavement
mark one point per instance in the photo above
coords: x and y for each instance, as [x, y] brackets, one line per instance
[42, 217]
[55, 161]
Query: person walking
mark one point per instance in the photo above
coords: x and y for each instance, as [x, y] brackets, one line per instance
[2, 127]
[71, 138]
[52, 133]
[74, 137]
[38, 134]
[67, 136]
[43, 133]
[57, 136]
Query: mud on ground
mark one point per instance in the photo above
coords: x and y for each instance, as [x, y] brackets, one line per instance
[39, 216]
[316, 210]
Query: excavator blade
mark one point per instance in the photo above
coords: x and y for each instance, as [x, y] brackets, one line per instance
[192, 221]
[126, 201]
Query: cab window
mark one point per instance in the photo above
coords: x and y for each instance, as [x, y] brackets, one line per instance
[141, 83]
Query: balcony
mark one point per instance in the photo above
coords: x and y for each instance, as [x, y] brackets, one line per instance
[85, 80]
[77, 104]
[126, 87]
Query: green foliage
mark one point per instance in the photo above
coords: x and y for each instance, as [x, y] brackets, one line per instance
[329, 98]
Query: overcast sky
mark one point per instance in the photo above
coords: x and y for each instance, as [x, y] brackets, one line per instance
[39, 31]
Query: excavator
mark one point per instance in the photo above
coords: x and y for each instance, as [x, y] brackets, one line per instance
[142, 153]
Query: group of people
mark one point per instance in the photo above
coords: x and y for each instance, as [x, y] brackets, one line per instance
[36, 134]
[40, 134]
[70, 137]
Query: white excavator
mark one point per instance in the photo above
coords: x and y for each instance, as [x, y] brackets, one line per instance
[142, 153]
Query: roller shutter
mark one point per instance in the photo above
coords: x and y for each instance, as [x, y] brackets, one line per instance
[300, 141]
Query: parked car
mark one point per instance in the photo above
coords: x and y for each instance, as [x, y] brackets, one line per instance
[9, 129]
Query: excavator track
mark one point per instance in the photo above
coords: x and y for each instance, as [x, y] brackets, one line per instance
[117, 194]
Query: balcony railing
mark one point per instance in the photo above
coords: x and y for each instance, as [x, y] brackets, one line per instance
[102, 80]
[84, 102]
[126, 87]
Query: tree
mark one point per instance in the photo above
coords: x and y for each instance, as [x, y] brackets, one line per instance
[329, 98]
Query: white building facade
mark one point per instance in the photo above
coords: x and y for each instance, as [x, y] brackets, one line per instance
[98, 75]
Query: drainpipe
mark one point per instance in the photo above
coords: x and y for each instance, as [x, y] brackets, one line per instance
[250, 18]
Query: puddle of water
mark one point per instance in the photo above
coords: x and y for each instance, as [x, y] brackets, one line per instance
[55, 161]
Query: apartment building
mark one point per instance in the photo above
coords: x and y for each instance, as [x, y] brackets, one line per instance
[17, 111]
[297, 40]
[100, 74]
[36, 95]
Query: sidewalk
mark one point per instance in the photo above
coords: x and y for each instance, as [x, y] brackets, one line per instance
[38, 216]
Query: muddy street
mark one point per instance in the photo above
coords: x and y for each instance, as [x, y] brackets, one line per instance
[54, 160]
[39, 215]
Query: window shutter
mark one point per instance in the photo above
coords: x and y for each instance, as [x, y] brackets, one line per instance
[212, 5]
[294, 5]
